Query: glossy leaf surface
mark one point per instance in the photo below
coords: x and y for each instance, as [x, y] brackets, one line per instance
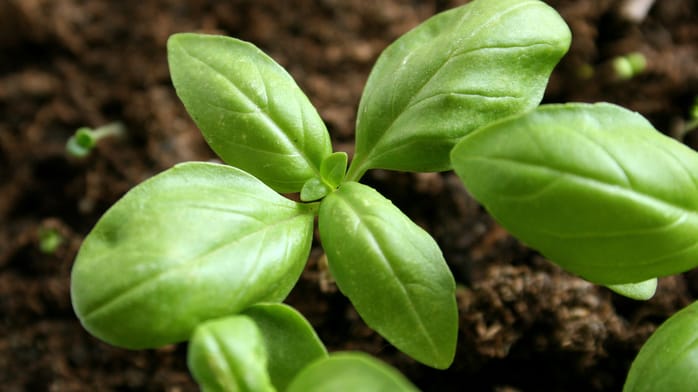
[249, 109]
[198, 241]
[595, 188]
[457, 71]
[668, 361]
[291, 343]
[333, 168]
[229, 354]
[350, 372]
[392, 271]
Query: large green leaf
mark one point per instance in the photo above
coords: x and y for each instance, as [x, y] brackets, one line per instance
[291, 342]
[229, 355]
[249, 109]
[457, 71]
[196, 242]
[669, 359]
[350, 371]
[392, 271]
[595, 188]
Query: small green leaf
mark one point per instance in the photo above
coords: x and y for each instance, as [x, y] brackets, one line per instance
[594, 188]
[350, 372]
[392, 271]
[668, 361]
[291, 342]
[640, 291]
[249, 109]
[229, 354]
[314, 189]
[196, 242]
[333, 169]
[457, 71]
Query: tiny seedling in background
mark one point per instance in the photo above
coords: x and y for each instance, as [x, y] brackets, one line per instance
[85, 139]
[49, 240]
[629, 65]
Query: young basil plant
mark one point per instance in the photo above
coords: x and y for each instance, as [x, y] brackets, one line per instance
[595, 188]
[271, 347]
[668, 361]
[262, 349]
[203, 241]
[229, 355]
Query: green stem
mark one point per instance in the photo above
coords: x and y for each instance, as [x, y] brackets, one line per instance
[113, 129]
[84, 140]
[356, 171]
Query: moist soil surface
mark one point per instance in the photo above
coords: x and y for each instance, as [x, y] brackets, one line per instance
[525, 325]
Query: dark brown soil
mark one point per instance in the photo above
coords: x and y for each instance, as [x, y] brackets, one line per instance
[525, 324]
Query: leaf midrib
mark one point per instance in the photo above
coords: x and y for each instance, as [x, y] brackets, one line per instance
[280, 134]
[629, 193]
[375, 245]
[451, 55]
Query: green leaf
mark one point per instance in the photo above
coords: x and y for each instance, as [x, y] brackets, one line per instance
[314, 189]
[291, 342]
[333, 168]
[249, 109]
[229, 354]
[595, 188]
[457, 71]
[640, 291]
[350, 372]
[196, 242]
[669, 359]
[332, 171]
[392, 271]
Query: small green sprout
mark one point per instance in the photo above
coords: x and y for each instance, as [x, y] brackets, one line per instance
[630, 65]
[85, 139]
[49, 240]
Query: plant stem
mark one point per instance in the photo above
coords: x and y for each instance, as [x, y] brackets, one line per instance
[356, 171]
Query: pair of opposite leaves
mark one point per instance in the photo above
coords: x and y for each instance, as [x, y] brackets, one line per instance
[204, 240]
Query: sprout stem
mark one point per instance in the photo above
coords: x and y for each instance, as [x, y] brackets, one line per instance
[84, 140]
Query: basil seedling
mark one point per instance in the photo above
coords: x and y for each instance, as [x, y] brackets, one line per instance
[80, 144]
[191, 252]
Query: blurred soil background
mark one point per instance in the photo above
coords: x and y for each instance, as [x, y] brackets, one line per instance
[524, 324]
